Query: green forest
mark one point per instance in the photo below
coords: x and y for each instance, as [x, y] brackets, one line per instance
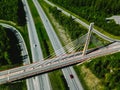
[107, 69]
[10, 56]
[4, 44]
[71, 27]
[95, 11]
[12, 11]
[10, 50]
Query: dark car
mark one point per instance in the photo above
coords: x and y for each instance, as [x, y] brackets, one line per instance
[35, 45]
[71, 76]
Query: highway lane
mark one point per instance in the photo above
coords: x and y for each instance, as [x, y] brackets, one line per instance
[74, 83]
[83, 23]
[113, 48]
[40, 82]
[30, 86]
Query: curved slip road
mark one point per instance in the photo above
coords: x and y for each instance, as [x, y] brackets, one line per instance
[24, 51]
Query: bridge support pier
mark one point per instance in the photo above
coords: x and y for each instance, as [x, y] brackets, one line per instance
[88, 38]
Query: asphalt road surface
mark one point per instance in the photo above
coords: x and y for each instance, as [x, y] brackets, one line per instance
[40, 82]
[74, 83]
[55, 63]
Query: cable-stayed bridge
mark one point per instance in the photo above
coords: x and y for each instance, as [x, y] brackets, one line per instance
[58, 62]
[54, 63]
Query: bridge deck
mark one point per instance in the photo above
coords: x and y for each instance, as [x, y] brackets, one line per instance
[55, 63]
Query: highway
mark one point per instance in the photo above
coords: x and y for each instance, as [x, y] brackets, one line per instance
[73, 84]
[55, 63]
[83, 23]
[40, 82]
[52, 64]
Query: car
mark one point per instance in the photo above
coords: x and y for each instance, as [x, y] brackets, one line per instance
[71, 76]
[35, 45]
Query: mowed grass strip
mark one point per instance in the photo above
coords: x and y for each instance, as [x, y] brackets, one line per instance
[58, 81]
[56, 77]
[77, 68]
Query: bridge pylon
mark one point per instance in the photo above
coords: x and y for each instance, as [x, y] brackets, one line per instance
[88, 38]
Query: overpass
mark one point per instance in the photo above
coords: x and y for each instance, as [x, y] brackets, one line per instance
[48, 65]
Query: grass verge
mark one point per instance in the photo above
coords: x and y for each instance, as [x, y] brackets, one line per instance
[42, 35]
[97, 28]
[24, 32]
[45, 7]
[88, 79]
[77, 68]
[20, 85]
[15, 60]
[58, 81]
[58, 74]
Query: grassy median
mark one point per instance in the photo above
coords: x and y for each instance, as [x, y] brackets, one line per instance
[95, 38]
[42, 35]
[44, 40]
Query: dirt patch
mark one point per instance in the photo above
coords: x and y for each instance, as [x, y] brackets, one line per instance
[63, 35]
[91, 80]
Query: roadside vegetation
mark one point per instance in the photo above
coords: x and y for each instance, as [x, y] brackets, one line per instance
[58, 81]
[101, 73]
[95, 73]
[10, 49]
[63, 24]
[95, 11]
[74, 29]
[42, 35]
[107, 69]
[10, 56]
[20, 85]
[4, 57]
[96, 41]
[12, 12]
[70, 27]
[47, 49]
